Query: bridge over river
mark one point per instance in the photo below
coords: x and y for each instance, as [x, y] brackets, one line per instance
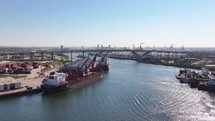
[47, 55]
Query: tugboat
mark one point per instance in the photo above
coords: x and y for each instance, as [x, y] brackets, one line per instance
[182, 74]
[72, 80]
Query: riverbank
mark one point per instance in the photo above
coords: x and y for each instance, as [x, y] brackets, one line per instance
[174, 63]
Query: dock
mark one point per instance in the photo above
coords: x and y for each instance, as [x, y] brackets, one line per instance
[30, 84]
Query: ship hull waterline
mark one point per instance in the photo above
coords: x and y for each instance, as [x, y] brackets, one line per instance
[73, 86]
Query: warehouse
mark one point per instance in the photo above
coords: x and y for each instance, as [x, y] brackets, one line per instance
[9, 83]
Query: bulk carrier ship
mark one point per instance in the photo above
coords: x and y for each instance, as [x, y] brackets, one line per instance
[58, 81]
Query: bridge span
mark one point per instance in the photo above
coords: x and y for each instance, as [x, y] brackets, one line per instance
[46, 55]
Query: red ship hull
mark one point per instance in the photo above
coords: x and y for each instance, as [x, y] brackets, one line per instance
[78, 83]
[86, 80]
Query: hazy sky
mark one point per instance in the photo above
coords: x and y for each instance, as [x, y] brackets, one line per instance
[108, 22]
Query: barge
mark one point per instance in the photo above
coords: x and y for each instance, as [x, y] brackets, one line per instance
[208, 86]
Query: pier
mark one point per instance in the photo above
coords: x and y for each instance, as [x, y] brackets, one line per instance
[30, 84]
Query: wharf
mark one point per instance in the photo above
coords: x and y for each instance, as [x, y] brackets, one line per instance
[30, 84]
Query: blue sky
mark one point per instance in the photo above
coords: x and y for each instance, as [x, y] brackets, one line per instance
[109, 22]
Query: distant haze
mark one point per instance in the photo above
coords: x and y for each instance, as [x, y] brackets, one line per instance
[75, 23]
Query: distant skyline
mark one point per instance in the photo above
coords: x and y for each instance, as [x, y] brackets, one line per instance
[75, 23]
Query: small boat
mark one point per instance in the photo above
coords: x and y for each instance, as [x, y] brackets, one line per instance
[182, 74]
[179, 76]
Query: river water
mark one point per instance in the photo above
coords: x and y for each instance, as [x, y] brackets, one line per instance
[130, 91]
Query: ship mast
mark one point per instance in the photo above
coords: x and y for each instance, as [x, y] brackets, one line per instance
[92, 62]
[79, 68]
[69, 70]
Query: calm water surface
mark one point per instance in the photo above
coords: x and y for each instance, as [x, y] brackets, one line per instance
[131, 91]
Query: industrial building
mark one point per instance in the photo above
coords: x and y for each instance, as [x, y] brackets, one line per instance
[9, 83]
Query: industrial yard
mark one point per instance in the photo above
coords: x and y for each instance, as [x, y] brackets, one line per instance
[26, 77]
[26, 82]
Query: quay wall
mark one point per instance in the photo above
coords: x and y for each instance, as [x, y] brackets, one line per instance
[23, 92]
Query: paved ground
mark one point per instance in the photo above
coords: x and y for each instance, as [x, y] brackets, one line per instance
[33, 80]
